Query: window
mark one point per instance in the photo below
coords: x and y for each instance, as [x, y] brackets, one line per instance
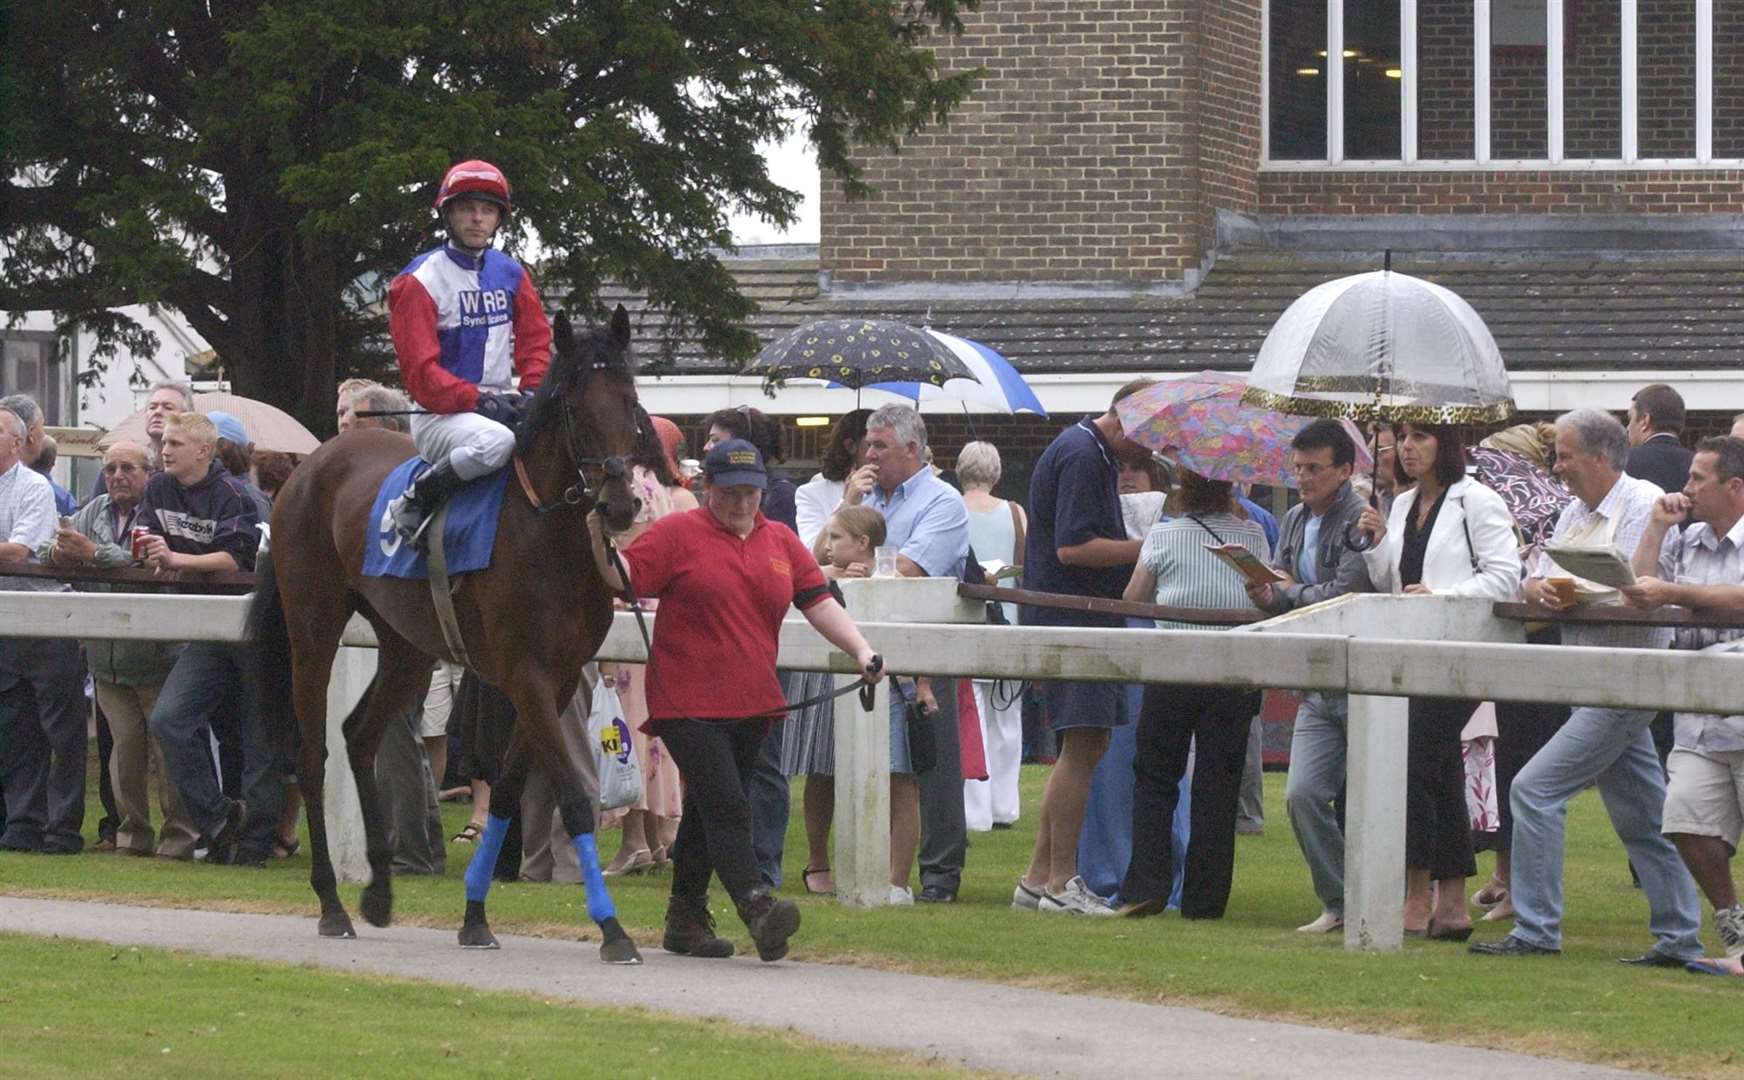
[30, 364]
[1589, 84]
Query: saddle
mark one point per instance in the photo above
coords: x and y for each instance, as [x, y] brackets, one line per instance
[460, 540]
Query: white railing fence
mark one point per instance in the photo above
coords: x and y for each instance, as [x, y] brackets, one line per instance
[1378, 649]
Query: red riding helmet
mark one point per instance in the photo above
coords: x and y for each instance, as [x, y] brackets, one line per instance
[479, 179]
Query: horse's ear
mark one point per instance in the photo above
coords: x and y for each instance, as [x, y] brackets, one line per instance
[565, 334]
[621, 327]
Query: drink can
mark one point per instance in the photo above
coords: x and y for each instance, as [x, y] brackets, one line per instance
[137, 537]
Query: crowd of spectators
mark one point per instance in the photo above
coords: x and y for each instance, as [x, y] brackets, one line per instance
[1145, 798]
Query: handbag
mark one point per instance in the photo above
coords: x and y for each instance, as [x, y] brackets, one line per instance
[923, 741]
[614, 753]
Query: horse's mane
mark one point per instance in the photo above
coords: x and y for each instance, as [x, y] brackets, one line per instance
[574, 360]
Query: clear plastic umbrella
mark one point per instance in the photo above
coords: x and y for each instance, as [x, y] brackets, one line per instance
[1382, 346]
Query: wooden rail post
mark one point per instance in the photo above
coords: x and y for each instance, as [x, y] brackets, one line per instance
[1374, 840]
[860, 865]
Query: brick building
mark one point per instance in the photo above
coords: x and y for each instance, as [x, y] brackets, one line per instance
[1143, 187]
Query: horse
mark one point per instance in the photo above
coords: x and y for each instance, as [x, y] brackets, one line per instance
[529, 622]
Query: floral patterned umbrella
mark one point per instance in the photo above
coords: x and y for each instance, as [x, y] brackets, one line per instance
[858, 352]
[1203, 419]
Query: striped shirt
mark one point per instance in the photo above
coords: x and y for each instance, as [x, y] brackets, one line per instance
[1622, 515]
[27, 516]
[1694, 555]
[1190, 576]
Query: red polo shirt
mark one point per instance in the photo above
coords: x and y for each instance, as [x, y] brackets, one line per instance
[721, 604]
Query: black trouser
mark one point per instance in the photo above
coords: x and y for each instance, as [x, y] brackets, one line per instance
[43, 713]
[1173, 719]
[714, 758]
[1437, 822]
[1522, 729]
[944, 834]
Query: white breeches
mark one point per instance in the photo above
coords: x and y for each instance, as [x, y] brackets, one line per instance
[472, 445]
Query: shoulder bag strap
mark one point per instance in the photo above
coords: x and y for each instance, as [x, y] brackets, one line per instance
[1206, 527]
[1018, 531]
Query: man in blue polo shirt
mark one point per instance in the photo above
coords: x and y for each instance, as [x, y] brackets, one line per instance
[926, 521]
[1076, 545]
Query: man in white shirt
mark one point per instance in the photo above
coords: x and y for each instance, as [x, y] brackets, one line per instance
[42, 715]
[1609, 746]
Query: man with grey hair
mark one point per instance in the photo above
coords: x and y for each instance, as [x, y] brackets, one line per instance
[39, 449]
[1738, 426]
[1611, 747]
[926, 521]
[42, 719]
[166, 398]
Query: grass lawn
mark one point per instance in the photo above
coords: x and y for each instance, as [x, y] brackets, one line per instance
[1582, 1005]
[162, 1013]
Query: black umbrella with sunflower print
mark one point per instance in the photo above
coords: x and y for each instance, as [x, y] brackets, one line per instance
[856, 353]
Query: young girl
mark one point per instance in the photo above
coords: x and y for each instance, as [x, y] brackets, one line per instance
[851, 538]
[808, 747]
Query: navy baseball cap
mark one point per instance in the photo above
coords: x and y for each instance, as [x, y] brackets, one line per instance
[735, 462]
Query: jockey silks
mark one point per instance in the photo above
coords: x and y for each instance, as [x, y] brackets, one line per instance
[460, 322]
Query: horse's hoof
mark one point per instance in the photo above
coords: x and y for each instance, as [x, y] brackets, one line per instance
[337, 924]
[478, 936]
[620, 951]
[377, 908]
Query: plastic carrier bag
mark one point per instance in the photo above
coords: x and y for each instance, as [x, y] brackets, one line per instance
[614, 753]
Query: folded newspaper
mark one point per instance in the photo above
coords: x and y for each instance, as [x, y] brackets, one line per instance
[1246, 563]
[1600, 565]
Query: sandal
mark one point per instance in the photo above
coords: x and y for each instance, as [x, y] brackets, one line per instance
[639, 861]
[1490, 895]
[468, 835]
[811, 871]
[284, 849]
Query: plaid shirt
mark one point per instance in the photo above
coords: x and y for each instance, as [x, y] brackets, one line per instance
[1693, 555]
[1626, 510]
[27, 516]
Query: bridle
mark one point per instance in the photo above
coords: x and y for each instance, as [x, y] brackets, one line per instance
[581, 494]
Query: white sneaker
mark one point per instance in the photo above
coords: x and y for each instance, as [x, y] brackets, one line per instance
[900, 897]
[1325, 924]
[1729, 924]
[1075, 899]
[1024, 898]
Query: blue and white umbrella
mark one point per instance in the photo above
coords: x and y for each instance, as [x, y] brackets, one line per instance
[996, 386]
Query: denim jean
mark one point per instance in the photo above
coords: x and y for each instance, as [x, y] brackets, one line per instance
[1614, 748]
[1105, 843]
[1319, 749]
[206, 677]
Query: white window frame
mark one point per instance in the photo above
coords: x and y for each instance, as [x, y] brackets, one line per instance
[1628, 161]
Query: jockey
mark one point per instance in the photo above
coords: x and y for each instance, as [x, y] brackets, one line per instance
[464, 319]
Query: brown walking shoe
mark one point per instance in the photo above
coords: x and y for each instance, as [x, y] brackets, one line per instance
[690, 929]
[770, 921]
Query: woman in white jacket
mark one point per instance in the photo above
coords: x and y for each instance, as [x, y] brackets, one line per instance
[1447, 536]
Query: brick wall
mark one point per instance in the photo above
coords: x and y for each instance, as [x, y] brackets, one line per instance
[1229, 130]
[1077, 157]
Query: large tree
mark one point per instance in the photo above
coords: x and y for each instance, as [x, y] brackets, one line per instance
[263, 167]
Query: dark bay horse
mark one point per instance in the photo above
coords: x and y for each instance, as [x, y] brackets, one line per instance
[529, 623]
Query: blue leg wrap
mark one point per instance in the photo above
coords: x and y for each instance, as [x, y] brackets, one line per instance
[599, 901]
[484, 858]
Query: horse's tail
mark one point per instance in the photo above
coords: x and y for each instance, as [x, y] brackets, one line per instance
[270, 639]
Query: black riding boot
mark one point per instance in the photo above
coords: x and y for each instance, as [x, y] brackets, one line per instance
[414, 510]
[690, 929]
[770, 921]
